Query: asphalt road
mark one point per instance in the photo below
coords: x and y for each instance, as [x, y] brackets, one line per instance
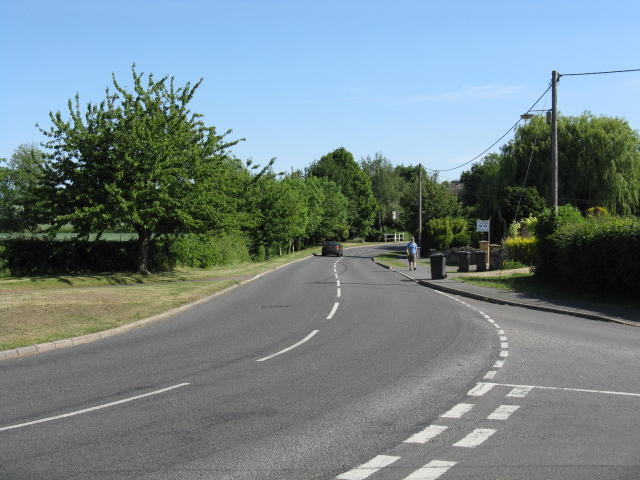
[331, 368]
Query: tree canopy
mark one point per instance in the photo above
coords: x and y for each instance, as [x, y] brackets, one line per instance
[139, 159]
[340, 167]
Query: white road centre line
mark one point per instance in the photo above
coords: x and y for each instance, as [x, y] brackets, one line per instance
[480, 389]
[503, 338]
[93, 409]
[431, 471]
[490, 374]
[338, 283]
[458, 411]
[367, 469]
[427, 434]
[519, 392]
[503, 412]
[499, 364]
[475, 438]
[338, 293]
[504, 345]
[305, 339]
[504, 353]
[333, 311]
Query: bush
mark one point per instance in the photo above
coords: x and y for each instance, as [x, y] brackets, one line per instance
[599, 254]
[522, 250]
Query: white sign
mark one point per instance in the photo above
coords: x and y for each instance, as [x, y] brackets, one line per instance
[482, 225]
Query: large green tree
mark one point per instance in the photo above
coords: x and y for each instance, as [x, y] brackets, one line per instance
[385, 183]
[139, 159]
[340, 167]
[19, 207]
[598, 162]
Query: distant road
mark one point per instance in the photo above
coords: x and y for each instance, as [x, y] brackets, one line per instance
[331, 368]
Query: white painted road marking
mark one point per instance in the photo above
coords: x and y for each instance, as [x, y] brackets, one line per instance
[333, 311]
[458, 411]
[369, 468]
[503, 412]
[427, 434]
[431, 470]
[480, 389]
[519, 392]
[475, 438]
[305, 339]
[93, 409]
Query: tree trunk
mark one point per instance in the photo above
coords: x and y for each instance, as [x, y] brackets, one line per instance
[142, 260]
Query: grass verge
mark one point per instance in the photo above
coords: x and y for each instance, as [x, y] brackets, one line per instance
[528, 283]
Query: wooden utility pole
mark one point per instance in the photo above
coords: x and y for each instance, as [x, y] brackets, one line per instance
[420, 206]
[554, 139]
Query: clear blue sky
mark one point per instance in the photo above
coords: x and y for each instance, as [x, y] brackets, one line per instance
[431, 82]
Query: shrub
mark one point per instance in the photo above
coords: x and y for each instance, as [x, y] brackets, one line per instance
[522, 250]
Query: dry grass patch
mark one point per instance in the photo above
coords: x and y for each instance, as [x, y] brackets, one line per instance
[38, 316]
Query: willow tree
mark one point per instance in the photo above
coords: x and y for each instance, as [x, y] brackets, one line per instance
[139, 159]
[598, 162]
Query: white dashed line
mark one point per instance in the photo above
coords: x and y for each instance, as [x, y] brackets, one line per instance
[305, 339]
[490, 375]
[369, 468]
[333, 311]
[519, 392]
[431, 471]
[480, 389]
[503, 412]
[458, 411]
[93, 409]
[475, 438]
[427, 434]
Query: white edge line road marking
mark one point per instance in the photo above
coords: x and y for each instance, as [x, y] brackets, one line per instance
[93, 409]
[369, 468]
[475, 438]
[431, 470]
[427, 434]
[305, 339]
[333, 311]
[503, 412]
[458, 411]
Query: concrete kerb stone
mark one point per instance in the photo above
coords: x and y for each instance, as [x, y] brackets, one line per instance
[500, 301]
[93, 337]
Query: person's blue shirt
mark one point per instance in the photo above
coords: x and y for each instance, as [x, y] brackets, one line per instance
[412, 247]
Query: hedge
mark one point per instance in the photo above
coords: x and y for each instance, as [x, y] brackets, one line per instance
[44, 256]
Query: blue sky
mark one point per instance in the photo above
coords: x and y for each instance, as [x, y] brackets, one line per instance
[429, 82]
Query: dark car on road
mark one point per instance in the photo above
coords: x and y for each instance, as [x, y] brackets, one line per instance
[332, 248]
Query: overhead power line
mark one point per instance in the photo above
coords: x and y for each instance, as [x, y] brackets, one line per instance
[494, 144]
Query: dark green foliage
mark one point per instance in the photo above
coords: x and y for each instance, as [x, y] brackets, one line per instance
[199, 251]
[599, 255]
[548, 223]
[440, 233]
[340, 167]
[38, 256]
[41, 256]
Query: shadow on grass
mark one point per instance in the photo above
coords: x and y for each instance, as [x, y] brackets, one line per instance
[540, 287]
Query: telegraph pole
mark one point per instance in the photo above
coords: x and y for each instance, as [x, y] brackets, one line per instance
[554, 139]
[420, 206]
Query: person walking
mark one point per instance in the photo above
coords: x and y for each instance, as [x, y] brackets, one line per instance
[412, 251]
